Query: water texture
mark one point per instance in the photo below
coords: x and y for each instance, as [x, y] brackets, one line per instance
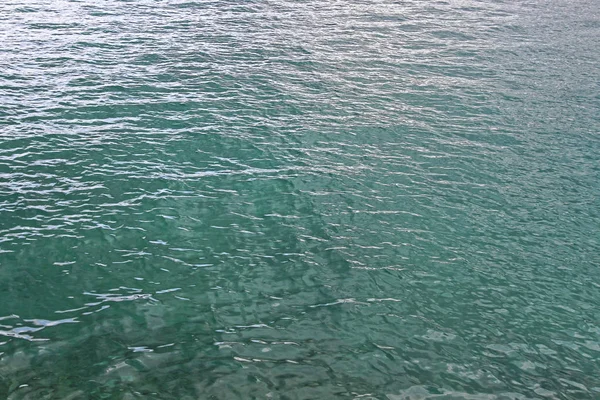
[313, 199]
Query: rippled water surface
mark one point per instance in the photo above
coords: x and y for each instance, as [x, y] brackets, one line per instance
[299, 200]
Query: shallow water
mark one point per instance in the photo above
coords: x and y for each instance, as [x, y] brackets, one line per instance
[299, 200]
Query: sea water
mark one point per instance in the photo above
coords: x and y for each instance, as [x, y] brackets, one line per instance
[308, 199]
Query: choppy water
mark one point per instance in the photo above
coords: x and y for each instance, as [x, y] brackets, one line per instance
[299, 200]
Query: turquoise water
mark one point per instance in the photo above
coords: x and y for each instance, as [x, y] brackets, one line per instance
[299, 200]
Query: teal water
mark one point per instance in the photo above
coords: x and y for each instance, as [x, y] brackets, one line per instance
[299, 200]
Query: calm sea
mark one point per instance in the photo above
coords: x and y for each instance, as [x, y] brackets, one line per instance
[313, 199]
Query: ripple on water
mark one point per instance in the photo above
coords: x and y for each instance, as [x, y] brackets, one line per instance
[299, 200]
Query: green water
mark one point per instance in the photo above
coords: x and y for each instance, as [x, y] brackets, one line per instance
[299, 200]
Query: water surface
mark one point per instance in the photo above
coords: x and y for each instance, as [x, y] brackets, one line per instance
[299, 200]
